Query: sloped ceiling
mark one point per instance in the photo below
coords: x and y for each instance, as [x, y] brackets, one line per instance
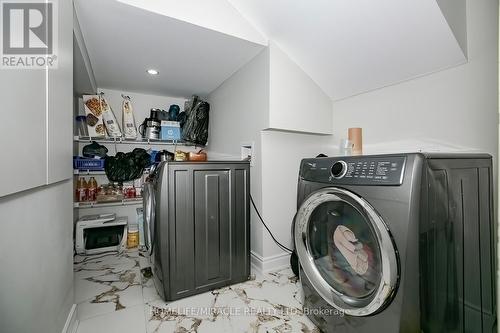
[349, 47]
[123, 41]
[218, 15]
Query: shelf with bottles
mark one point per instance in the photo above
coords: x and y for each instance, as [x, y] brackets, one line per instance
[78, 172]
[90, 193]
[139, 141]
[95, 204]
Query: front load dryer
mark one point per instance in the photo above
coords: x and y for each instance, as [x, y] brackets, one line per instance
[397, 243]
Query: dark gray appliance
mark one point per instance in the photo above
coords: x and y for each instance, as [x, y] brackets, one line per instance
[199, 225]
[397, 243]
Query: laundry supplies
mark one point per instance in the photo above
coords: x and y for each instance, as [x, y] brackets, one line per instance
[112, 127]
[128, 119]
[93, 112]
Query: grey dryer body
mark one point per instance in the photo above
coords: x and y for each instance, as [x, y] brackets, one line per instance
[423, 254]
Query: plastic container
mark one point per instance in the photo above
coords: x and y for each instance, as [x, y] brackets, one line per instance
[110, 193]
[81, 125]
[81, 190]
[82, 163]
[173, 112]
[92, 189]
[345, 148]
[355, 135]
[181, 156]
[132, 236]
[200, 156]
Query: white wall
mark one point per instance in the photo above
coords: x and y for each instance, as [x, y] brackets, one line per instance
[142, 103]
[238, 110]
[36, 278]
[298, 106]
[296, 102]
[457, 106]
[281, 156]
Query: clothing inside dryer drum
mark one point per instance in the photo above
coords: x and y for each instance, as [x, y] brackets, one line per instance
[345, 249]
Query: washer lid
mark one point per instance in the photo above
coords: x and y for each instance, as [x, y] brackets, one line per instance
[346, 251]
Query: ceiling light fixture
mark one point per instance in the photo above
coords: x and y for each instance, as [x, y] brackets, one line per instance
[153, 72]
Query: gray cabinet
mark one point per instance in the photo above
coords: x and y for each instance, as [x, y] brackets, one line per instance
[202, 227]
[212, 226]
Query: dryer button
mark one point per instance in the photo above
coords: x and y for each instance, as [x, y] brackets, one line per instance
[339, 169]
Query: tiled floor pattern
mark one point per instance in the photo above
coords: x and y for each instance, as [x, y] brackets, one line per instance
[114, 296]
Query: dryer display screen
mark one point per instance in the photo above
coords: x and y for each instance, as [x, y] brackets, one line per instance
[376, 170]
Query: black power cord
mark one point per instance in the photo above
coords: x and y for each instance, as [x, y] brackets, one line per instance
[283, 247]
[269, 231]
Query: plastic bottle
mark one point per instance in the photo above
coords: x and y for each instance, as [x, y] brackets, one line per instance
[81, 190]
[92, 189]
[132, 236]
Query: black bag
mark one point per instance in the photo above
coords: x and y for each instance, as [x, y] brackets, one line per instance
[195, 129]
[94, 150]
[127, 167]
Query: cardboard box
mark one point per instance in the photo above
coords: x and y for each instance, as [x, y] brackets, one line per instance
[170, 130]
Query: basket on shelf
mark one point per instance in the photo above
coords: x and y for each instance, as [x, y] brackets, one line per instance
[82, 163]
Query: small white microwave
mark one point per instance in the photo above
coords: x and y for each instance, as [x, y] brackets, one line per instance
[100, 233]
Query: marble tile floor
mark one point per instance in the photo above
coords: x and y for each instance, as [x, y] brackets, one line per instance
[115, 293]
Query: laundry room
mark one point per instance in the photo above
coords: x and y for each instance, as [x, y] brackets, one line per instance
[249, 166]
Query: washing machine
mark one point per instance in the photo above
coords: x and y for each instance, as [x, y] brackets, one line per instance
[198, 218]
[397, 243]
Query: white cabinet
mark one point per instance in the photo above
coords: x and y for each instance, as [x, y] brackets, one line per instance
[36, 111]
[23, 129]
[60, 101]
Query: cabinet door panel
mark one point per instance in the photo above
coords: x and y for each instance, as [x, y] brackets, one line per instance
[181, 233]
[23, 129]
[60, 100]
[212, 226]
[241, 225]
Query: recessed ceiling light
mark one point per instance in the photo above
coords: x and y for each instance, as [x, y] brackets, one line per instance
[153, 72]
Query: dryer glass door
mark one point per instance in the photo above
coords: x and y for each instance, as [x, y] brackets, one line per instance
[346, 251]
[148, 213]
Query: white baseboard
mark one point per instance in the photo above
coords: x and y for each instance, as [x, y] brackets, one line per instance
[71, 324]
[268, 264]
[255, 266]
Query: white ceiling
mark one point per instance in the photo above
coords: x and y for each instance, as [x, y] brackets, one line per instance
[123, 41]
[349, 47]
[346, 47]
[218, 15]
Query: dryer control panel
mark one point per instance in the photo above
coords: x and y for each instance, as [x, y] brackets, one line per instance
[355, 170]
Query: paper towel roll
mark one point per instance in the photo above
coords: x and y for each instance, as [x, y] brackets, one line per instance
[355, 135]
